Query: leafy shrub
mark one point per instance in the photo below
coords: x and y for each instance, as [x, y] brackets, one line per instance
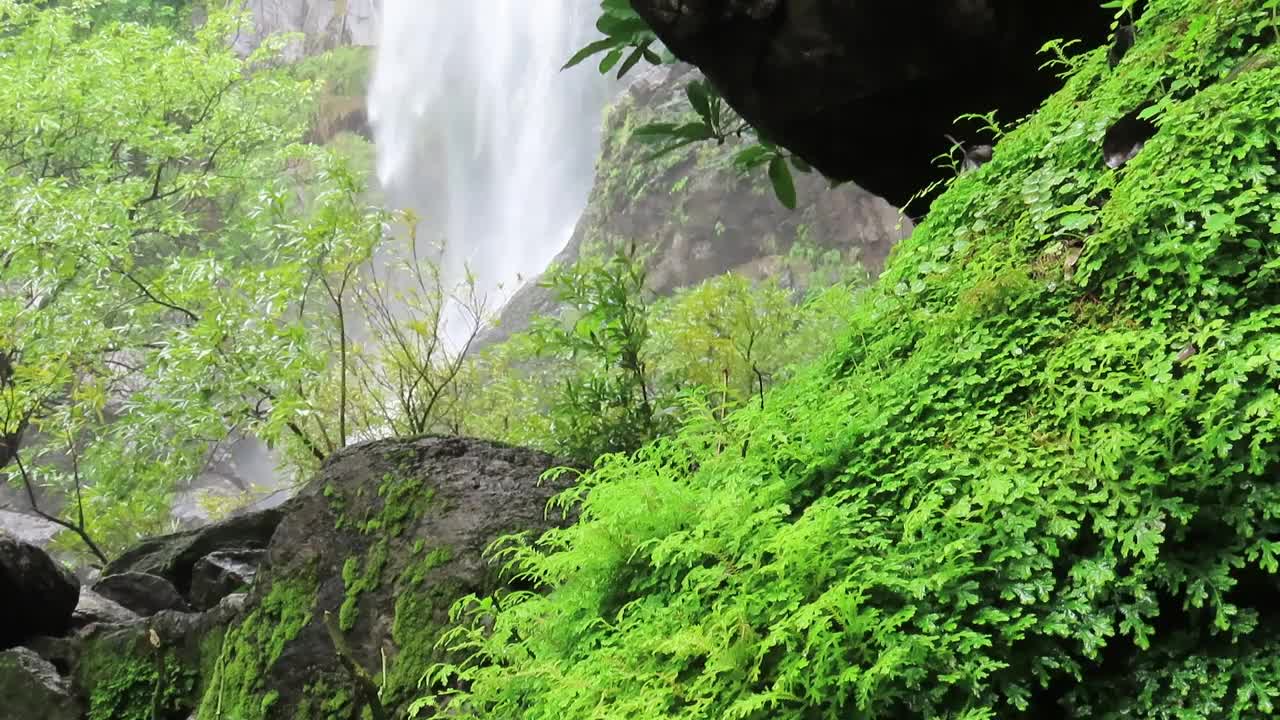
[172, 13]
[1037, 478]
[609, 405]
[166, 242]
[619, 368]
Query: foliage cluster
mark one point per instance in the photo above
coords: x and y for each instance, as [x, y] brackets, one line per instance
[1038, 476]
[619, 367]
[170, 261]
[186, 266]
[151, 12]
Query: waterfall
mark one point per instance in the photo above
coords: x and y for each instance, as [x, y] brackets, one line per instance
[480, 133]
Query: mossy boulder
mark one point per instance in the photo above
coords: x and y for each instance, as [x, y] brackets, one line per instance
[374, 551]
[156, 669]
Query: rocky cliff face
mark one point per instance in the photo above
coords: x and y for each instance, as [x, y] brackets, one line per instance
[698, 215]
[325, 24]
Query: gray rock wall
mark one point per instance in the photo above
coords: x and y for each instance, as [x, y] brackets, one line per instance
[326, 24]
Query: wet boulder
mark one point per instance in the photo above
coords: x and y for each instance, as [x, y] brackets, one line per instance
[173, 557]
[37, 595]
[31, 689]
[95, 609]
[142, 593]
[220, 574]
[363, 570]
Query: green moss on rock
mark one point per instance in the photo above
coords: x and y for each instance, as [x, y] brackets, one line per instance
[359, 576]
[237, 689]
[139, 686]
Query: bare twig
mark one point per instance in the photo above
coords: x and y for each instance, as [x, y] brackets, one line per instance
[78, 529]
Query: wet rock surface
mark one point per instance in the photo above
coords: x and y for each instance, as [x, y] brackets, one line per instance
[374, 551]
[173, 557]
[94, 609]
[37, 595]
[32, 689]
[220, 574]
[141, 593]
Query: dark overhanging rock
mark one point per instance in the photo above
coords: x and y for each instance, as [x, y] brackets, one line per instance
[866, 90]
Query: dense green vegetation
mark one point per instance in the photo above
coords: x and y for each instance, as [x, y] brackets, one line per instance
[619, 368]
[167, 253]
[1038, 475]
[1030, 471]
[195, 255]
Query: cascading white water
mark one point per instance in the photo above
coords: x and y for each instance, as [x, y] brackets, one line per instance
[480, 133]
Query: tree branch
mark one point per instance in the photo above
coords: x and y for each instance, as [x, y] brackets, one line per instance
[153, 298]
[79, 529]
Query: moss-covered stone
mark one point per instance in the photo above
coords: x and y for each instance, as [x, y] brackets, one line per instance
[159, 668]
[237, 687]
[141, 688]
[378, 547]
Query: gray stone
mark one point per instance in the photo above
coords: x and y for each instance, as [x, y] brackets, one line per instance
[28, 528]
[32, 689]
[37, 595]
[233, 604]
[142, 593]
[220, 574]
[324, 24]
[173, 557]
[696, 216]
[95, 609]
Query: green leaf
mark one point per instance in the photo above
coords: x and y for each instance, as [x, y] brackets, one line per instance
[784, 186]
[752, 157]
[632, 59]
[611, 60]
[598, 46]
[700, 98]
[616, 26]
